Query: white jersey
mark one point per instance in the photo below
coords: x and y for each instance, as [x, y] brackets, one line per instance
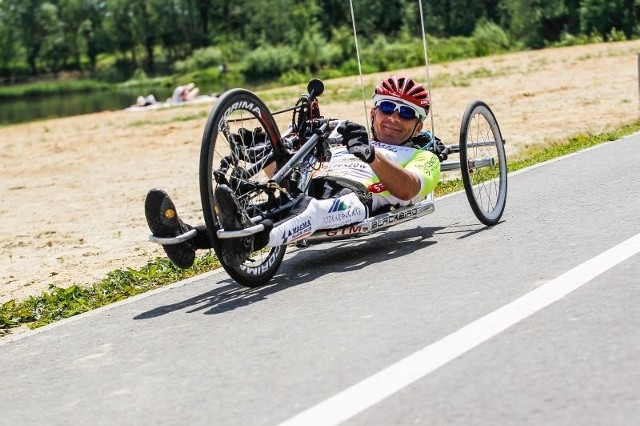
[423, 164]
[329, 213]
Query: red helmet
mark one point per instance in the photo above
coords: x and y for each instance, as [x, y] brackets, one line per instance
[405, 89]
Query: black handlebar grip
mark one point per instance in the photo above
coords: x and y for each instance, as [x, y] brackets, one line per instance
[315, 88]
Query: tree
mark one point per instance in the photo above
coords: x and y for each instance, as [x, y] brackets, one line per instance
[463, 16]
[535, 22]
[84, 20]
[170, 23]
[204, 13]
[8, 33]
[55, 47]
[145, 32]
[304, 21]
[39, 24]
[602, 16]
[30, 33]
[121, 27]
[267, 21]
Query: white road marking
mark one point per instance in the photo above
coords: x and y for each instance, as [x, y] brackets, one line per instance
[383, 384]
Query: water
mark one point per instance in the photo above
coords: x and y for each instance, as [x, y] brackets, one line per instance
[31, 109]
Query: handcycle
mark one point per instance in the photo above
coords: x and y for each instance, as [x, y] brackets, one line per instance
[269, 171]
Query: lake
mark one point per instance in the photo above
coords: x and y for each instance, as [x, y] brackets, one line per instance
[37, 108]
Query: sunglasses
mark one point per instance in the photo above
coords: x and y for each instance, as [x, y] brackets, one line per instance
[405, 112]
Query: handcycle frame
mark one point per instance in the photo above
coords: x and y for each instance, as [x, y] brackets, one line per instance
[298, 150]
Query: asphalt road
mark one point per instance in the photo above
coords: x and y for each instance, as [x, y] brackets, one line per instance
[340, 315]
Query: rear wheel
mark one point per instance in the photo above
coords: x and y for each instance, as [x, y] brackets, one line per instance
[483, 162]
[243, 160]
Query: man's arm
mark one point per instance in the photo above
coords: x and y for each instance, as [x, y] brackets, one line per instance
[399, 182]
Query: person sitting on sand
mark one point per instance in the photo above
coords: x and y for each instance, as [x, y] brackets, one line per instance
[184, 93]
[142, 101]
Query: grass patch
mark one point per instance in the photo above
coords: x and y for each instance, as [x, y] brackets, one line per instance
[59, 303]
[554, 150]
[45, 88]
[573, 144]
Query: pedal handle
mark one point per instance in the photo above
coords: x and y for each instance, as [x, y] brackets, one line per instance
[173, 240]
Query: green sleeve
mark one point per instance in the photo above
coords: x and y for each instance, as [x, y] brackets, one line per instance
[427, 166]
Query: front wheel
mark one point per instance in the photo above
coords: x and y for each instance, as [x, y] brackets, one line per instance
[483, 162]
[241, 148]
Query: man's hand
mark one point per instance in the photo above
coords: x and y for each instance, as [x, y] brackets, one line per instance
[425, 140]
[355, 137]
[249, 145]
[251, 138]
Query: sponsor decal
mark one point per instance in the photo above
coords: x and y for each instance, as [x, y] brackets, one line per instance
[391, 148]
[343, 157]
[342, 165]
[296, 229]
[261, 269]
[338, 205]
[248, 106]
[342, 217]
[424, 168]
[387, 220]
[344, 231]
[296, 232]
[427, 167]
[376, 188]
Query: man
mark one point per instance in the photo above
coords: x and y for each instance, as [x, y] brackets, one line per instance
[362, 177]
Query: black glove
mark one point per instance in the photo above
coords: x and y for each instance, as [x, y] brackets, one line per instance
[249, 145]
[442, 151]
[425, 140]
[355, 137]
[252, 138]
[422, 140]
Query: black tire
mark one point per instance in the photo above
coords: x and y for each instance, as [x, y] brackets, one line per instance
[239, 108]
[483, 163]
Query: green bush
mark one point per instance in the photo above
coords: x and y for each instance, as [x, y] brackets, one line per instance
[139, 75]
[616, 35]
[50, 88]
[567, 39]
[384, 56]
[268, 62]
[292, 77]
[350, 67]
[329, 73]
[444, 50]
[115, 71]
[490, 38]
[107, 74]
[232, 50]
[200, 59]
[342, 41]
[312, 52]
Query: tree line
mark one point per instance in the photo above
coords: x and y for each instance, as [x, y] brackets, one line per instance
[115, 40]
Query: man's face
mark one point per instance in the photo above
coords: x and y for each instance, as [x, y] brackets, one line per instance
[392, 129]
